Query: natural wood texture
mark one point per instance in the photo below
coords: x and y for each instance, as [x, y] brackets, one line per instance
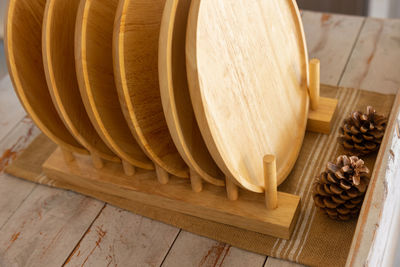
[14, 191]
[193, 250]
[271, 187]
[23, 43]
[129, 170]
[248, 213]
[121, 238]
[59, 65]
[315, 83]
[320, 120]
[46, 227]
[97, 161]
[162, 175]
[323, 42]
[232, 190]
[196, 181]
[68, 156]
[94, 65]
[375, 54]
[136, 34]
[175, 95]
[248, 84]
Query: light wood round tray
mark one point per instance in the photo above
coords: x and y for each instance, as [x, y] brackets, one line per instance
[175, 95]
[59, 65]
[23, 45]
[248, 73]
[94, 65]
[136, 34]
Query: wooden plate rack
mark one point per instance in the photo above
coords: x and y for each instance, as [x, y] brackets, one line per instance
[117, 85]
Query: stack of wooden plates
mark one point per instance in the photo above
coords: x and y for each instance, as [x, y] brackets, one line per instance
[200, 89]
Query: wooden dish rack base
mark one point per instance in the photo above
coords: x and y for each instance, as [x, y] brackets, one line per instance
[273, 213]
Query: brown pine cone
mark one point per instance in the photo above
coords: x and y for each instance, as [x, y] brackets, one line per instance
[361, 133]
[339, 191]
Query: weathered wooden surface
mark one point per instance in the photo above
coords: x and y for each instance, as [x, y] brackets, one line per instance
[13, 191]
[119, 237]
[340, 53]
[207, 252]
[331, 38]
[372, 65]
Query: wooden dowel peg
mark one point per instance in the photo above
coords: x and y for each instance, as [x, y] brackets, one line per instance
[129, 170]
[162, 175]
[271, 186]
[68, 156]
[196, 181]
[314, 89]
[232, 189]
[97, 161]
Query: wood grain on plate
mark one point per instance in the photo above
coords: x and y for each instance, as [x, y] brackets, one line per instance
[248, 70]
[23, 46]
[94, 64]
[175, 95]
[136, 35]
[59, 65]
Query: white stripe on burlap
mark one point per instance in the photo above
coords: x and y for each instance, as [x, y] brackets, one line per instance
[298, 247]
[345, 96]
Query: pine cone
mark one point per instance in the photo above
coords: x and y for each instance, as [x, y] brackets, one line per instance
[340, 189]
[362, 134]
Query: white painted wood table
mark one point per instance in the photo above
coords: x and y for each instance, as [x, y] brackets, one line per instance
[43, 226]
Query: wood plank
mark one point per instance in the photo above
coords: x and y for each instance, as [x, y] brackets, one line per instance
[376, 55]
[248, 213]
[330, 38]
[14, 191]
[321, 33]
[10, 109]
[119, 237]
[17, 140]
[321, 119]
[193, 250]
[44, 230]
[32, 216]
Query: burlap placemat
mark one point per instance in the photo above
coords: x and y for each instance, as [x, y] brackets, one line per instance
[316, 241]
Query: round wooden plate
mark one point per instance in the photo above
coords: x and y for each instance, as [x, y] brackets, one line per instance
[248, 72]
[94, 65]
[136, 34]
[23, 45]
[175, 95]
[59, 65]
